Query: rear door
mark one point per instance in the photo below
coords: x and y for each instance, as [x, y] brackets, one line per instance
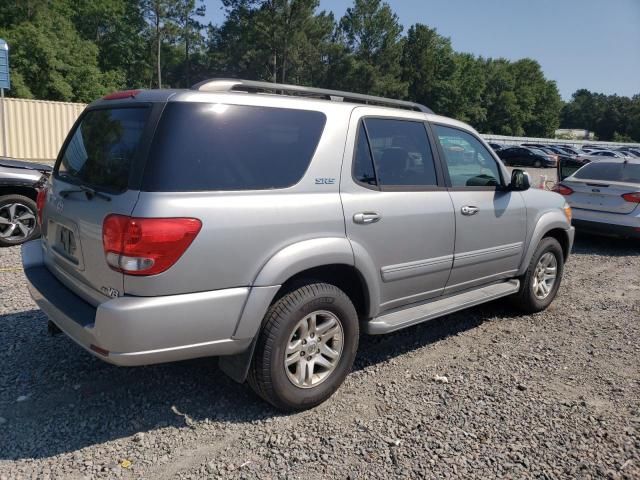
[101, 155]
[396, 207]
[490, 221]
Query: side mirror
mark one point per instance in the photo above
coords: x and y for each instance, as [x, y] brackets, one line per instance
[520, 180]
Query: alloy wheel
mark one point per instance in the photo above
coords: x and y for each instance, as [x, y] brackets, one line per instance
[17, 222]
[314, 349]
[544, 276]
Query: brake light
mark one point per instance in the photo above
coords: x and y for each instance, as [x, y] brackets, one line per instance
[41, 199]
[633, 197]
[562, 189]
[146, 246]
[121, 95]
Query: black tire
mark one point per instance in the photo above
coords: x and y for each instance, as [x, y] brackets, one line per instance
[31, 206]
[526, 300]
[537, 164]
[268, 376]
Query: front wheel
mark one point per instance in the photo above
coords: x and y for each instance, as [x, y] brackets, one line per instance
[540, 283]
[18, 222]
[306, 347]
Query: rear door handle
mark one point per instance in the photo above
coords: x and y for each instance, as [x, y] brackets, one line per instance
[366, 217]
[469, 210]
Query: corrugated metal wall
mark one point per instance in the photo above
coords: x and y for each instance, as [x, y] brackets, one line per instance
[35, 129]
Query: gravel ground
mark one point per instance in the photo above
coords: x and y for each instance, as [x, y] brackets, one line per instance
[483, 393]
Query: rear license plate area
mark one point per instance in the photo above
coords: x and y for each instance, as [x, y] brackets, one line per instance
[66, 244]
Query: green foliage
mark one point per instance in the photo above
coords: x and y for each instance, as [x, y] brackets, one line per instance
[372, 37]
[51, 61]
[77, 50]
[609, 116]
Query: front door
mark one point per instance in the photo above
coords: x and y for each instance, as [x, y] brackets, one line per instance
[398, 213]
[490, 221]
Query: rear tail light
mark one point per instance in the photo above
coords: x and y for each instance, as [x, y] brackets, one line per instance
[633, 197]
[562, 189]
[146, 246]
[41, 199]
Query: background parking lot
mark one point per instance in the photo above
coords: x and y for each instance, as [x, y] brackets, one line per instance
[481, 393]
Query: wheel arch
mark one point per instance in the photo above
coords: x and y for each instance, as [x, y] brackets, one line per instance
[551, 224]
[328, 260]
[26, 191]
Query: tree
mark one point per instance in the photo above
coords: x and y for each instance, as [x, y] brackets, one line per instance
[188, 28]
[371, 33]
[608, 116]
[50, 60]
[273, 40]
[428, 67]
[157, 12]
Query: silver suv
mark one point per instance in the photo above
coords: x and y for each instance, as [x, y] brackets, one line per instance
[269, 224]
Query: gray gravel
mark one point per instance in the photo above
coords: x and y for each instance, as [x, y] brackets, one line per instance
[483, 393]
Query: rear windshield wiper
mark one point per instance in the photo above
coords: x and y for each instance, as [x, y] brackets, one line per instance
[88, 191]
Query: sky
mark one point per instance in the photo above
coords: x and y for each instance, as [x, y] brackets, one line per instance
[592, 44]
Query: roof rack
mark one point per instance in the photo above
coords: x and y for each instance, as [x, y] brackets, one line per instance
[250, 86]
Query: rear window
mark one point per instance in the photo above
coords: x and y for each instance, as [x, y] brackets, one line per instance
[103, 147]
[610, 172]
[200, 147]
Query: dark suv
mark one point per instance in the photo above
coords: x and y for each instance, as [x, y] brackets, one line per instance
[18, 183]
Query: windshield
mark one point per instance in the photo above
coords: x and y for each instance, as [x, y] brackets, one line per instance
[102, 148]
[610, 172]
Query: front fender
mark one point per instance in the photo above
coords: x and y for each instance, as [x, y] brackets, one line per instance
[550, 220]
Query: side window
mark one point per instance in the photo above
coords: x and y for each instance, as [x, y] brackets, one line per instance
[363, 170]
[469, 163]
[401, 152]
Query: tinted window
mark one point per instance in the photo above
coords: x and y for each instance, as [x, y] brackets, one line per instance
[103, 147]
[610, 172]
[363, 163]
[401, 152]
[199, 146]
[469, 163]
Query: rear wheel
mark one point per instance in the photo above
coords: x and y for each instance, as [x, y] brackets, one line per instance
[306, 347]
[541, 281]
[537, 164]
[18, 220]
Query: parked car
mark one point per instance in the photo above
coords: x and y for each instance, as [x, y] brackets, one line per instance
[18, 183]
[270, 229]
[527, 157]
[629, 151]
[604, 197]
[568, 150]
[496, 146]
[607, 153]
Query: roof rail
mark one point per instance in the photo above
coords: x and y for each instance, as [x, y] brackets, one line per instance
[250, 86]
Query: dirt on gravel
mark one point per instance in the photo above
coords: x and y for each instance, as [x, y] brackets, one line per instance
[482, 393]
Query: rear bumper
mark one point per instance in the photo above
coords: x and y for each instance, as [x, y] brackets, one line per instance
[609, 224]
[607, 229]
[132, 331]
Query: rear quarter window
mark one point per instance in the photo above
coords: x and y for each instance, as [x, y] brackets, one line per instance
[204, 147]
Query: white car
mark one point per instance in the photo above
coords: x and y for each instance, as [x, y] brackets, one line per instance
[605, 197]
